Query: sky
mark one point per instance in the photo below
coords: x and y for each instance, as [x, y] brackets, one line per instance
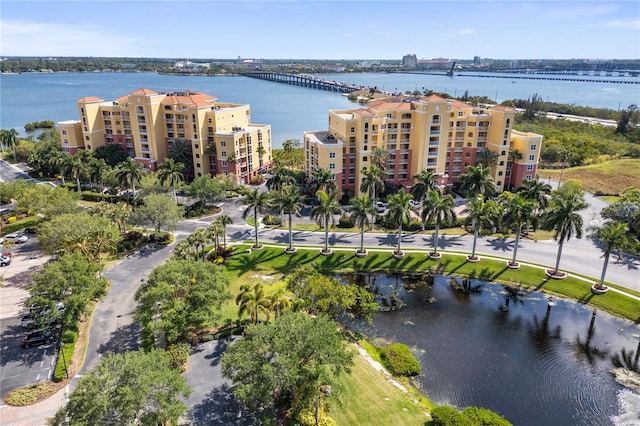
[309, 29]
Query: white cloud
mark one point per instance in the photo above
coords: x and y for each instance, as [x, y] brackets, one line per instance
[467, 31]
[25, 38]
[628, 23]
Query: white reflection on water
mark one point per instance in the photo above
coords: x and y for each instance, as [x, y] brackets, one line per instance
[629, 408]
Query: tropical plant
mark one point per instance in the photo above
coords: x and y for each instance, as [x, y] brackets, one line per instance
[199, 238]
[288, 201]
[97, 167]
[477, 181]
[537, 191]
[256, 202]
[279, 300]
[564, 155]
[372, 182]
[9, 138]
[324, 212]
[438, 208]
[171, 172]
[399, 212]
[185, 251]
[487, 158]
[224, 220]
[128, 174]
[613, 236]
[180, 151]
[57, 161]
[563, 218]
[426, 181]
[324, 179]
[481, 213]
[519, 211]
[379, 158]
[280, 177]
[76, 169]
[361, 208]
[252, 300]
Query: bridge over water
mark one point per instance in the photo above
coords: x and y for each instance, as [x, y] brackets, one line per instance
[306, 81]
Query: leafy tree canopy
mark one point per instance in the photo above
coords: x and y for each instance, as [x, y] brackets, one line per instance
[159, 211]
[48, 201]
[112, 154]
[127, 389]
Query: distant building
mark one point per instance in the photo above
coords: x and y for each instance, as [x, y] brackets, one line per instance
[437, 63]
[429, 133]
[409, 61]
[146, 124]
[192, 66]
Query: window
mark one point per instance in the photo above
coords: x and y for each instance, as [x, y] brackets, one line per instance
[530, 167]
[224, 163]
[460, 114]
[332, 155]
[365, 158]
[223, 143]
[67, 149]
[467, 154]
[223, 154]
[353, 129]
[528, 177]
[332, 166]
[388, 115]
[64, 132]
[197, 155]
[225, 172]
[198, 165]
[532, 158]
[66, 141]
[534, 147]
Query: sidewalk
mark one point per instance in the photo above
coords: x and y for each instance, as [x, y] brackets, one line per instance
[36, 414]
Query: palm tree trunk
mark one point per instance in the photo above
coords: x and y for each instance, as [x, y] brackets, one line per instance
[290, 233]
[558, 257]
[362, 238]
[255, 224]
[475, 239]
[175, 196]
[515, 247]
[15, 159]
[604, 269]
[326, 235]
[224, 238]
[78, 183]
[435, 238]
[399, 237]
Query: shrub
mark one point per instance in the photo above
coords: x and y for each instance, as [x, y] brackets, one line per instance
[345, 222]
[484, 417]
[19, 224]
[65, 354]
[132, 236]
[449, 416]
[399, 361]
[12, 219]
[69, 336]
[160, 238]
[272, 220]
[179, 354]
[29, 395]
[257, 180]
[308, 418]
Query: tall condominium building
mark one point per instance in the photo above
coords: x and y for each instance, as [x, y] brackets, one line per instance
[219, 137]
[440, 135]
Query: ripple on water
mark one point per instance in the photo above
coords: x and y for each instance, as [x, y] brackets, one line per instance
[628, 409]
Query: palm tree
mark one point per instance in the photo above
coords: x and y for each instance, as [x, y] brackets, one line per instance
[481, 212]
[252, 300]
[101, 240]
[171, 172]
[261, 151]
[279, 178]
[180, 151]
[518, 212]
[197, 239]
[563, 218]
[288, 201]
[477, 181]
[361, 208]
[11, 140]
[487, 158]
[437, 208]
[563, 156]
[129, 172]
[58, 161]
[426, 181]
[372, 181]
[614, 236]
[278, 302]
[536, 190]
[324, 212]
[214, 231]
[97, 167]
[185, 251]
[324, 180]
[76, 169]
[224, 220]
[255, 201]
[379, 158]
[399, 211]
[3, 136]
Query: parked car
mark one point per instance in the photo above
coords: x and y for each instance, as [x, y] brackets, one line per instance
[29, 321]
[415, 204]
[37, 338]
[380, 206]
[16, 238]
[5, 260]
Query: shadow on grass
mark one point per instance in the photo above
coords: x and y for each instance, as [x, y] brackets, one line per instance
[248, 262]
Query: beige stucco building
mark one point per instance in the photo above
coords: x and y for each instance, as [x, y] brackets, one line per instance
[429, 133]
[222, 138]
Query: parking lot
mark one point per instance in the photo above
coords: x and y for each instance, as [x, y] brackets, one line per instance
[18, 366]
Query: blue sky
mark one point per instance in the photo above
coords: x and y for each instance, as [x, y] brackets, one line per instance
[322, 29]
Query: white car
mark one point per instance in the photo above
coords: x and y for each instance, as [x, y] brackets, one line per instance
[16, 238]
[380, 206]
[5, 260]
[415, 204]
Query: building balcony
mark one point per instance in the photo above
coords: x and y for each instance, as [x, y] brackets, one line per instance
[434, 143]
[432, 164]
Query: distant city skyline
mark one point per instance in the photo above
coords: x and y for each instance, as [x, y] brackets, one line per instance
[308, 29]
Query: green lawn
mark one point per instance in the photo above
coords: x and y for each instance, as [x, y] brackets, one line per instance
[270, 261]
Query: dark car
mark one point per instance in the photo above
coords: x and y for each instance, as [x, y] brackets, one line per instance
[37, 338]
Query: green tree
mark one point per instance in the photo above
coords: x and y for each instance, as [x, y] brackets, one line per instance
[132, 388]
[372, 182]
[9, 138]
[477, 181]
[426, 182]
[537, 191]
[361, 208]
[76, 168]
[57, 161]
[613, 236]
[185, 251]
[96, 169]
[563, 218]
[255, 202]
[519, 212]
[171, 172]
[487, 158]
[288, 201]
[532, 107]
[180, 299]
[128, 174]
[199, 238]
[399, 212]
[438, 208]
[324, 179]
[113, 154]
[252, 300]
[277, 373]
[224, 221]
[180, 151]
[564, 156]
[279, 177]
[324, 212]
[158, 211]
[206, 188]
[74, 232]
[481, 214]
[118, 213]
[379, 158]
[48, 201]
